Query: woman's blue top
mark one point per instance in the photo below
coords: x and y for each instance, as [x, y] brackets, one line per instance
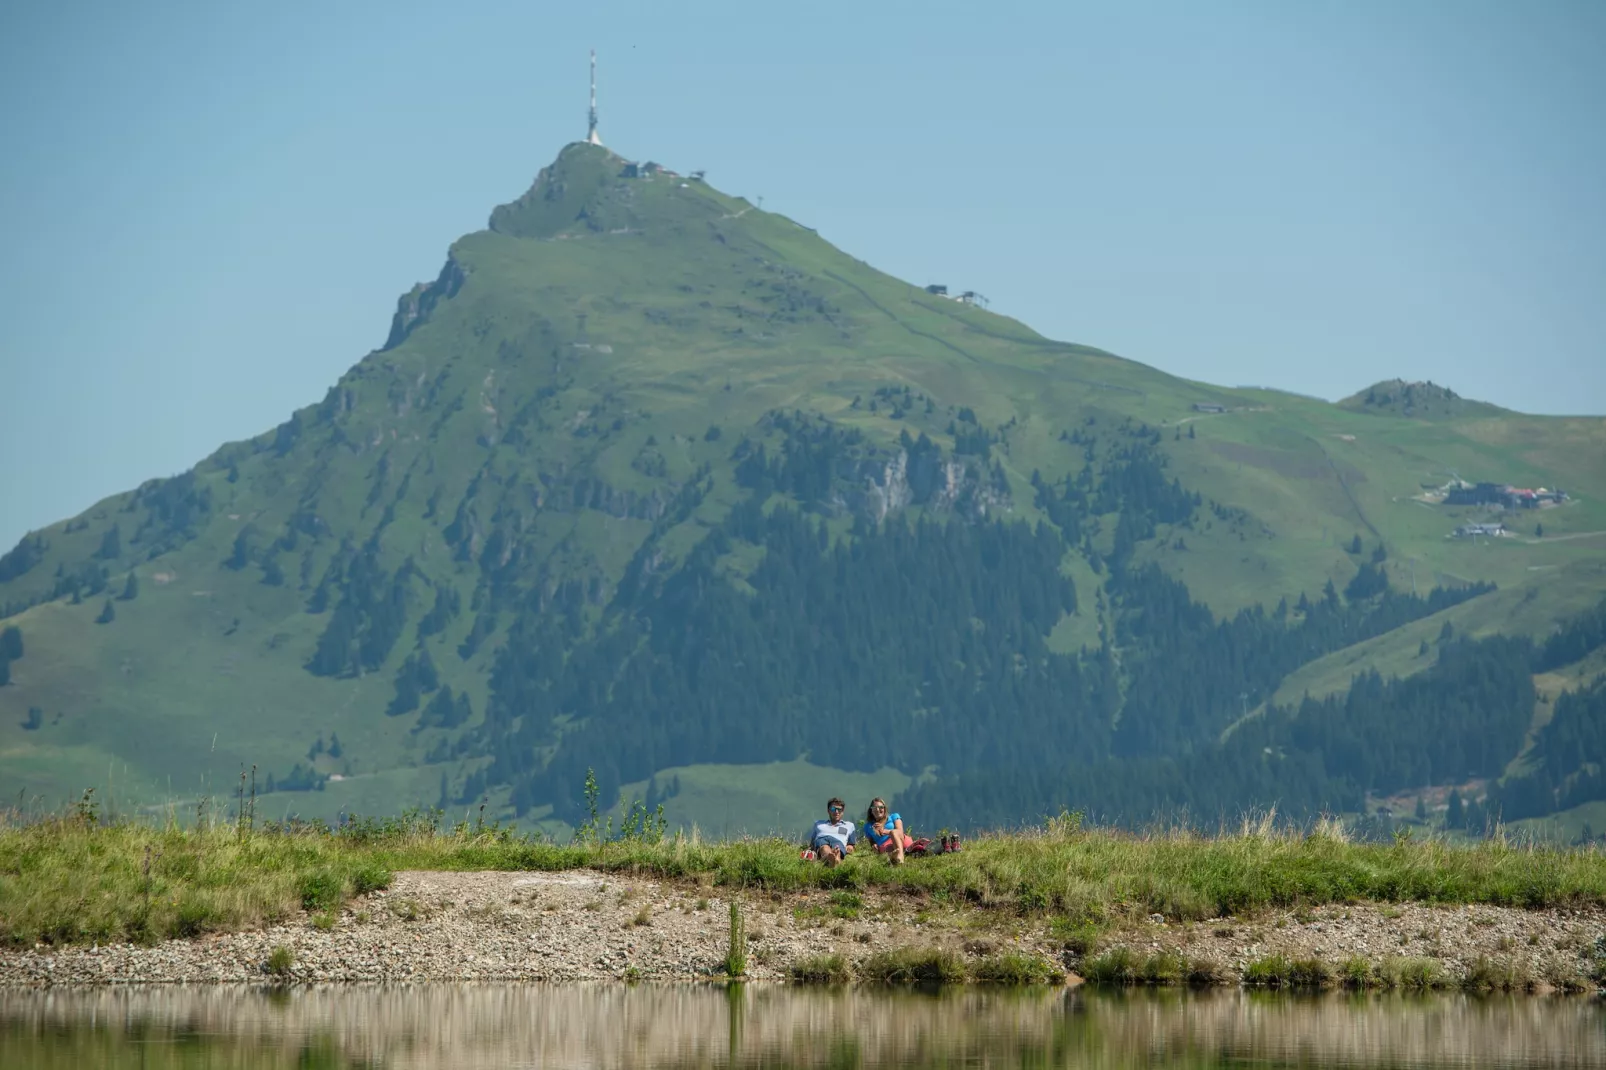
[878, 838]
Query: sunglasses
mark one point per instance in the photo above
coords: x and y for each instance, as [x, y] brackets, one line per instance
[834, 809]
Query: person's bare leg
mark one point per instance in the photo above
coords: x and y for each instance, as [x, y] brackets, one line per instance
[895, 856]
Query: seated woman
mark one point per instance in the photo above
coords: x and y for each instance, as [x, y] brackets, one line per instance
[886, 832]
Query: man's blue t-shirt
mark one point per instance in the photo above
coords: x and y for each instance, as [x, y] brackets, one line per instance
[836, 833]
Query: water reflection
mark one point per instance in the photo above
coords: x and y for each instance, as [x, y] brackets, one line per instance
[443, 1026]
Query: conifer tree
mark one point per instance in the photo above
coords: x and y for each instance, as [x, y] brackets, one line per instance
[107, 613]
[240, 556]
[1454, 812]
[11, 643]
[272, 573]
[111, 544]
[130, 589]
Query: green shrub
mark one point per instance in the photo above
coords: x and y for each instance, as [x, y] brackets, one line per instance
[280, 961]
[322, 890]
[370, 877]
[193, 917]
[820, 970]
[1273, 971]
[1115, 967]
[1016, 968]
[1204, 972]
[1080, 938]
[1421, 973]
[1165, 968]
[845, 904]
[1485, 975]
[907, 964]
[1356, 972]
[1309, 973]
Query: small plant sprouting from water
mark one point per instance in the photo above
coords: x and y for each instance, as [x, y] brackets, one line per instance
[736, 954]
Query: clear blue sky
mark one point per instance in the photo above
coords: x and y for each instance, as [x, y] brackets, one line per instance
[209, 208]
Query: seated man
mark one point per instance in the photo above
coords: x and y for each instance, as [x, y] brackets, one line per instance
[830, 838]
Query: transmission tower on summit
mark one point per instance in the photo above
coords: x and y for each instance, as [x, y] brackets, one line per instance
[592, 137]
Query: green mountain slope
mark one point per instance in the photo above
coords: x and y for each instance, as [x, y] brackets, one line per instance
[597, 422]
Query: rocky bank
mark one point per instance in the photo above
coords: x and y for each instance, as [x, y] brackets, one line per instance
[583, 925]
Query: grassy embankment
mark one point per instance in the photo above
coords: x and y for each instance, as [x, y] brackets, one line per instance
[70, 879]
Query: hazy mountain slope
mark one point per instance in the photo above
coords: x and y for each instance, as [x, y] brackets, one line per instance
[576, 385]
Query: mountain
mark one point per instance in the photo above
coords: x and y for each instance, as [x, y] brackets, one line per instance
[1422, 401]
[650, 482]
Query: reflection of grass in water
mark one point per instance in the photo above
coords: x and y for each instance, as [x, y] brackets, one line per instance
[145, 1046]
[739, 1026]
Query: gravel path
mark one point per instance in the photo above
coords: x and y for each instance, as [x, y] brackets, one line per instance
[582, 925]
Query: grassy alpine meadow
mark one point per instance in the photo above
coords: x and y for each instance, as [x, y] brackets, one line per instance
[73, 879]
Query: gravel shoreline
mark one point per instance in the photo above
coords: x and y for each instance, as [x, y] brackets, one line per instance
[585, 926]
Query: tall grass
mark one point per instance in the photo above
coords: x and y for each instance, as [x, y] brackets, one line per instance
[736, 950]
[73, 878]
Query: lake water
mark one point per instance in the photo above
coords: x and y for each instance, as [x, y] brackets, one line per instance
[443, 1026]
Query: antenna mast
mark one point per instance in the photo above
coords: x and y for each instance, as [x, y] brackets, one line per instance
[592, 137]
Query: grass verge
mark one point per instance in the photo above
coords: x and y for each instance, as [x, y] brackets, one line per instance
[66, 879]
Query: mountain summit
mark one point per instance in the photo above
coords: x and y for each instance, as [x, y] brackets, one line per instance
[651, 483]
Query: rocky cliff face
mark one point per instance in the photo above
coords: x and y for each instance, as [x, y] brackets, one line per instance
[414, 306]
[956, 486]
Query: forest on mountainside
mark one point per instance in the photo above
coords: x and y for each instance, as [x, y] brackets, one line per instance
[923, 644]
